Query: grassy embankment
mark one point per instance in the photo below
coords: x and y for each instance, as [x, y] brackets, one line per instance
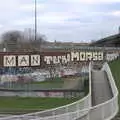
[18, 105]
[115, 68]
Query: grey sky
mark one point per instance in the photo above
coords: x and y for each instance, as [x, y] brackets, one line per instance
[63, 20]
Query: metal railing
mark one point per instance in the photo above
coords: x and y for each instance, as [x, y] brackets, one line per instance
[68, 112]
[81, 109]
[108, 109]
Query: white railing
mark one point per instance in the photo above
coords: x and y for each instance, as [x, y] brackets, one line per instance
[68, 112]
[108, 109]
[81, 109]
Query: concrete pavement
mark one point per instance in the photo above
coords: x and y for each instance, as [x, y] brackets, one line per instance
[101, 90]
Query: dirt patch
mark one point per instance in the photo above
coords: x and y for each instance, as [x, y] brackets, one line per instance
[70, 83]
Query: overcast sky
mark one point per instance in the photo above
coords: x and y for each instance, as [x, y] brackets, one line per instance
[63, 20]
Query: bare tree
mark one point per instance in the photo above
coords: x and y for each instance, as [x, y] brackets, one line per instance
[22, 41]
[11, 39]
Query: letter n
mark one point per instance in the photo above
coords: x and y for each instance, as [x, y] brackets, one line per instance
[35, 60]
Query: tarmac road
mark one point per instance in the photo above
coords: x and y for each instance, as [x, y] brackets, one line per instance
[101, 90]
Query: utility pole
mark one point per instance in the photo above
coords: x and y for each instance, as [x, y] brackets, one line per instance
[35, 20]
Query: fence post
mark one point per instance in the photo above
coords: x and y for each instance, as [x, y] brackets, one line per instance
[103, 112]
[77, 106]
[53, 114]
[67, 112]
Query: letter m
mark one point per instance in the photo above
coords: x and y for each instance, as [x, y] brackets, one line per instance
[9, 61]
[75, 55]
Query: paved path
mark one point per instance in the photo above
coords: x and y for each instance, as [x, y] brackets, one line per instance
[101, 90]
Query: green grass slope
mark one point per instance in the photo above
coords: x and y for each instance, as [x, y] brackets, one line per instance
[18, 105]
[115, 68]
